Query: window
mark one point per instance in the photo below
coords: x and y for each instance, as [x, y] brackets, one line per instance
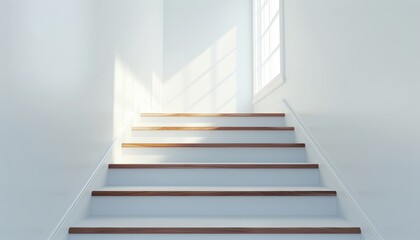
[268, 44]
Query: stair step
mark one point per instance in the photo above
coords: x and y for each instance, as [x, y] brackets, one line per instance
[213, 145]
[213, 114]
[214, 165]
[249, 228]
[208, 136]
[211, 155]
[213, 201]
[211, 120]
[214, 174]
[211, 221]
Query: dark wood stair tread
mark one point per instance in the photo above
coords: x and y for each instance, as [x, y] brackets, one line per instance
[214, 230]
[212, 114]
[180, 128]
[207, 193]
[214, 165]
[213, 145]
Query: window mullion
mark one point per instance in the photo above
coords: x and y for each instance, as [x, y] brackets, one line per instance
[269, 25]
[270, 55]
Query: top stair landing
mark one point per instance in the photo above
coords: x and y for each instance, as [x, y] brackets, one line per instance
[212, 119]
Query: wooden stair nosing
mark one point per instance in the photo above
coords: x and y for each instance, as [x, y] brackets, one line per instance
[180, 128]
[214, 166]
[214, 230]
[213, 114]
[143, 193]
[213, 145]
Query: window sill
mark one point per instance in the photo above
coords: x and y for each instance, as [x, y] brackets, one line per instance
[269, 88]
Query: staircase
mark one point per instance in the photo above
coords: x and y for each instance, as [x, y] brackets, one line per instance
[213, 176]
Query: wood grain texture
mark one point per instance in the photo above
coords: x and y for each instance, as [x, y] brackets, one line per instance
[135, 193]
[212, 114]
[213, 128]
[213, 145]
[218, 230]
[214, 166]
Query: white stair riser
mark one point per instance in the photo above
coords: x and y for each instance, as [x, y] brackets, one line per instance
[212, 121]
[212, 136]
[212, 155]
[213, 206]
[216, 237]
[213, 177]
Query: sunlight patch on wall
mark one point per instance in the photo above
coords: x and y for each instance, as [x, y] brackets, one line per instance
[133, 95]
[207, 83]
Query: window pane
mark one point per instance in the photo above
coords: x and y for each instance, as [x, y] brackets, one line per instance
[265, 74]
[257, 84]
[263, 2]
[267, 42]
[275, 34]
[265, 48]
[265, 18]
[274, 8]
[275, 64]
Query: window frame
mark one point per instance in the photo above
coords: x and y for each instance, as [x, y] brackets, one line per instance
[261, 90]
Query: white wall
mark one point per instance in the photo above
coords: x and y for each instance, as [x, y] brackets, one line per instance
[77, 71]
[352, 77]
[208, 56]
[4, 42]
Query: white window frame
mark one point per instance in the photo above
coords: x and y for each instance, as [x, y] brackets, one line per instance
[260, 91]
